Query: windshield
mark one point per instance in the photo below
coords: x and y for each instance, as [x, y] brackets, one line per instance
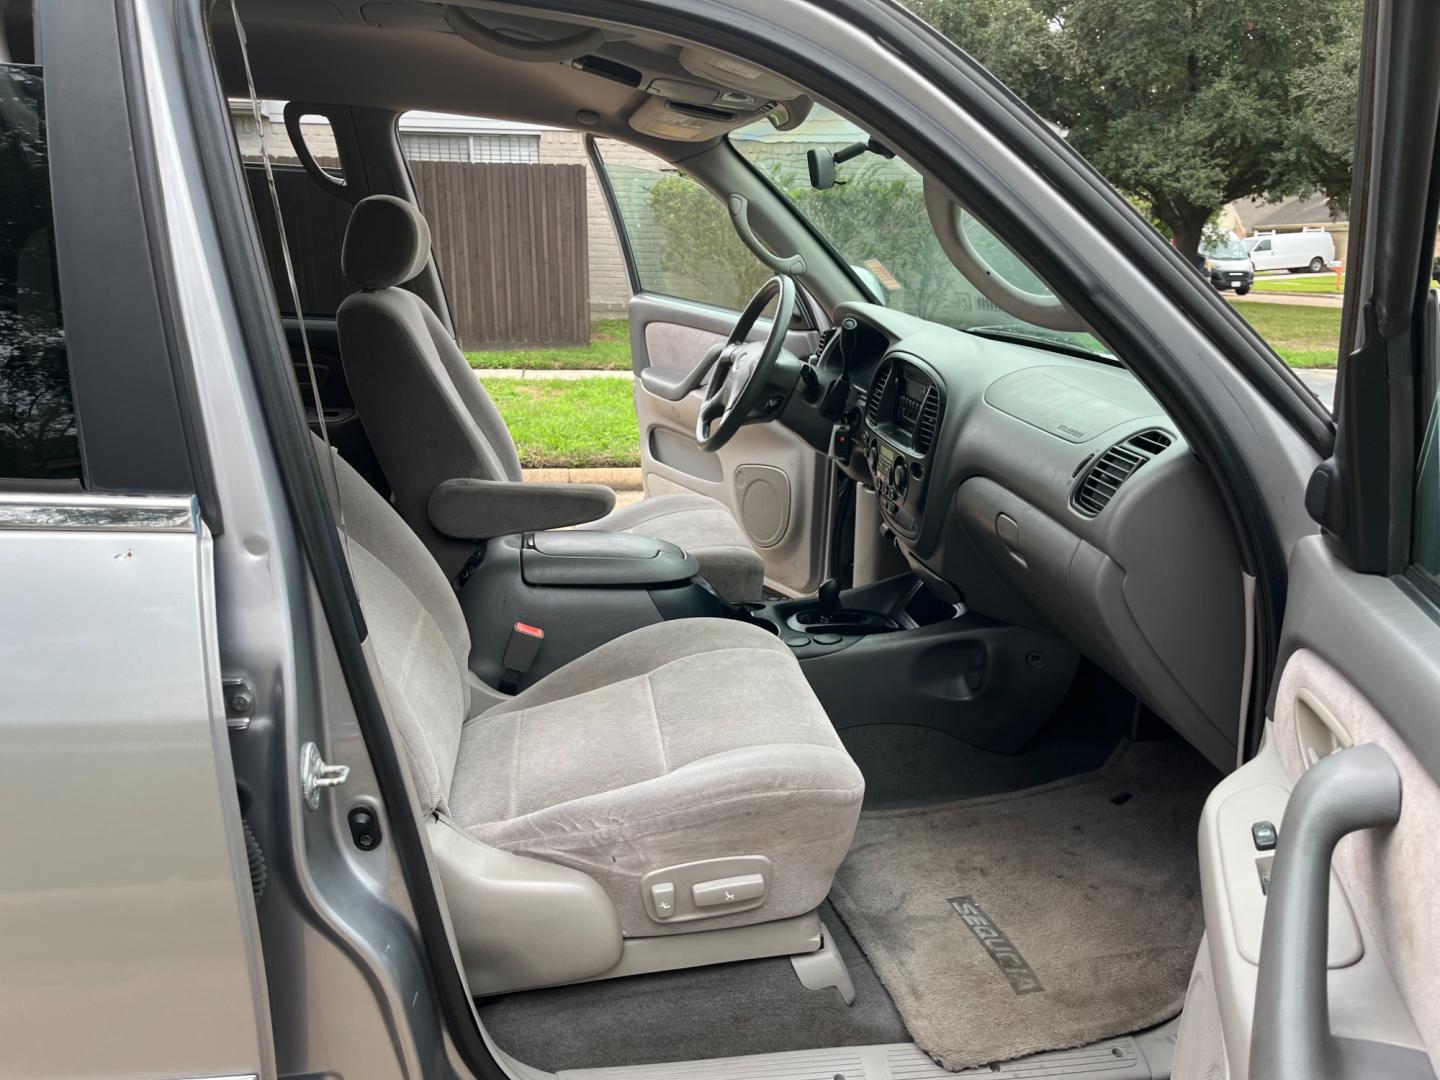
[875, 218]
[1225, 249]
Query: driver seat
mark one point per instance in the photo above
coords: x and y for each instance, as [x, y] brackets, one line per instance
[430, 421]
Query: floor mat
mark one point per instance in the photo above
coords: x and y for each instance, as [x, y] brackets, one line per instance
[1036, 920]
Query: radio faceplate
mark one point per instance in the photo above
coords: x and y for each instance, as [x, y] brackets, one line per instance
[903, 409]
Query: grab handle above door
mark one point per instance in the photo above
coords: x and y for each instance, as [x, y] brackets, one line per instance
[1352, 789]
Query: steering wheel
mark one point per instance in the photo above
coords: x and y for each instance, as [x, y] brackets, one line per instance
[742, 368]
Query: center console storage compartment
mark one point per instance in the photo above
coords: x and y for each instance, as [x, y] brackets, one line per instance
[582, 588]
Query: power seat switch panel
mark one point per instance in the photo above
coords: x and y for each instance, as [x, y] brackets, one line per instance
[706, 889]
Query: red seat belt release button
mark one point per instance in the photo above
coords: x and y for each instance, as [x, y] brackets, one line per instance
[520, 653]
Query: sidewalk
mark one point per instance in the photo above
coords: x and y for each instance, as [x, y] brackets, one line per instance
[629, 488]
[560, 373]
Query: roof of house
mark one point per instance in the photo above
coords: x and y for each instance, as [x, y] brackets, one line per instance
[1260, 214]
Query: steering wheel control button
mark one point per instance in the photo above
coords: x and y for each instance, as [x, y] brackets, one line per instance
[1264, 835]
[726, 891]
[662, 898]
[827, 639]
[797, 641]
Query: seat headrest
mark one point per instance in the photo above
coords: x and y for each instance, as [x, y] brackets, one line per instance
[386, 242]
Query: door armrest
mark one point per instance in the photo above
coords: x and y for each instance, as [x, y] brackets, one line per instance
[673, 384]
[470, 509]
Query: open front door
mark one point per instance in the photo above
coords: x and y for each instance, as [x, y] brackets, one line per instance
[690, 276]
[1319, 856]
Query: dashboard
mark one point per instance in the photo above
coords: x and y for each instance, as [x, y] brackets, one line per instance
[1050, 491]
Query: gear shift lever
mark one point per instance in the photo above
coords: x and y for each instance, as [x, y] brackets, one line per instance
[829, 597]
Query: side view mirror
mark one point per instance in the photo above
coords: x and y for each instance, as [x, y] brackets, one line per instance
[872, 283]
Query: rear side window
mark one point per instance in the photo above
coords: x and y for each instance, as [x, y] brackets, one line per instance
[38, 437]
[315, 219]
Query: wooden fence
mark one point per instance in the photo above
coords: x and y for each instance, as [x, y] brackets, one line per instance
[512, 245]
[511, 242]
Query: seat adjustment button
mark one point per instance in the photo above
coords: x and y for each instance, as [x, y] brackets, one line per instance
[662, 895]
[1264, 835]
[732, 890]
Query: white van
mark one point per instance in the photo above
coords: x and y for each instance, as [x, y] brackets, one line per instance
[1312, 250]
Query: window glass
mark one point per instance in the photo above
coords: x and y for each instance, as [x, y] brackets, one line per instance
[38, 438]
[1425, 543]
[315, 219]
[519, 148]
[680, 237]
[875, 218]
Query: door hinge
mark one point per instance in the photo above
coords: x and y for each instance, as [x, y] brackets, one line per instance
[239, 702]
[316, 775]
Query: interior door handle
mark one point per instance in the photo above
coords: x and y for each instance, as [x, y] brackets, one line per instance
[1353, 789]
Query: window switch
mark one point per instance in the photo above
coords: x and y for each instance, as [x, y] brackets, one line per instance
[1264, 835]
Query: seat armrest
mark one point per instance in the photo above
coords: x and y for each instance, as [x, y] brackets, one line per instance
[470, 509]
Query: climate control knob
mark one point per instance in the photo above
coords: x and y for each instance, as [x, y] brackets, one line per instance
[899, 477]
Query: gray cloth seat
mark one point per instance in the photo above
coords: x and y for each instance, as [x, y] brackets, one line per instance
[687, 740]
[429, 419]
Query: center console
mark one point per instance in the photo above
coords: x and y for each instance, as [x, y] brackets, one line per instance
[902, 411]
[571, 592]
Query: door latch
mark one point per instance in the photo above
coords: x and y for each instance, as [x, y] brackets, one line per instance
[315, 774]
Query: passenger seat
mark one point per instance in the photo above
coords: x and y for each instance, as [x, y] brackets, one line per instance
[690, 754]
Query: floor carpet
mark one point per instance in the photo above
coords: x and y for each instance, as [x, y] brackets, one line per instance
[756, 1007]
[1039, 919]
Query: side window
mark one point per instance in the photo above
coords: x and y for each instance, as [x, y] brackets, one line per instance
[315, 219]
[1263, 245]
[680, 238]
[38, 437]
[1425, 544]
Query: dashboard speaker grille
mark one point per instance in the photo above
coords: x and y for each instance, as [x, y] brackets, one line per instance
[1116, 465]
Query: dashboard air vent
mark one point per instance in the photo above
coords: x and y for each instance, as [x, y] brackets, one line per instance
[877, 391]
[1150, 442]
[1116, 465]
[929, 420]
[825, 336]
[1103, 479]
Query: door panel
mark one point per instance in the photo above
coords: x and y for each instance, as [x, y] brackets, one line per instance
[1337, 690]
[773, 482]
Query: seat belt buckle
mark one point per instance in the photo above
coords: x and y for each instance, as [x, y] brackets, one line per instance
[520, 653]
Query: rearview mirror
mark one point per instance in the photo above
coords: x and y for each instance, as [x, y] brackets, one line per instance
[822, 168]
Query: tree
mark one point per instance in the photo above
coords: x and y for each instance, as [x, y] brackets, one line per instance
[1185, 105]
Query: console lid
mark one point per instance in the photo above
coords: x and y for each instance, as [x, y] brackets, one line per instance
[593, 558]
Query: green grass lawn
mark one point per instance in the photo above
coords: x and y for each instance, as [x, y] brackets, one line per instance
[1288, 284]
[609, 350]
[1305, 337]
[569, 423]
